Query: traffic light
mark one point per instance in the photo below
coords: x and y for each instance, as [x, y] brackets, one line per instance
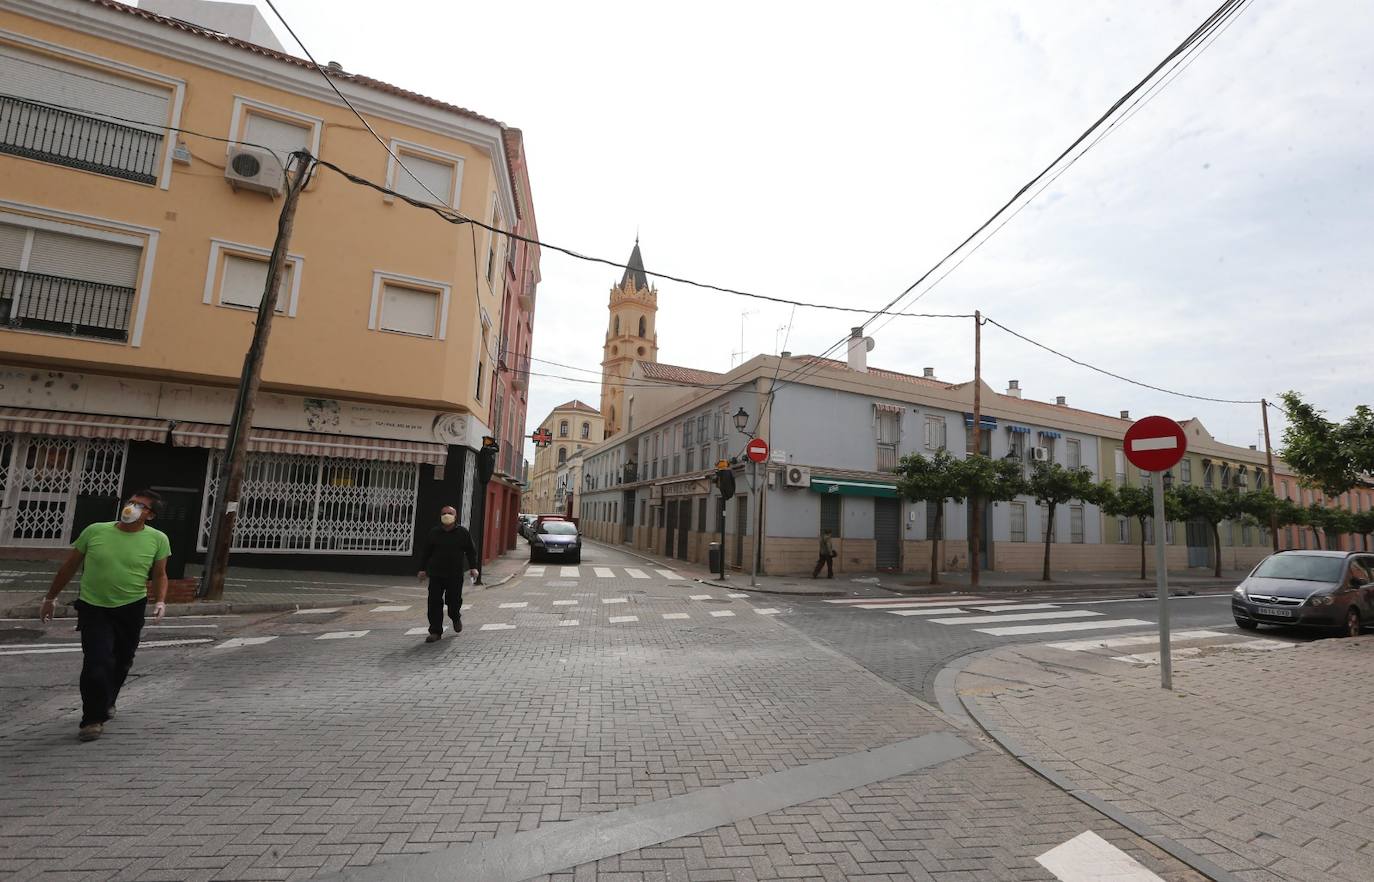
[725, 480]
[486, 458]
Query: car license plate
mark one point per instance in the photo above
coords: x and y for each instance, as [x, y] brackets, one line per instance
[556, 550]
[1274, 611]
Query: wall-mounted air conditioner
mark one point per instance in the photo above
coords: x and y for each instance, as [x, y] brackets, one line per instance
[251, 168]
[798, 476]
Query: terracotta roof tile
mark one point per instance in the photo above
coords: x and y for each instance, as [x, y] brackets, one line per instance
[671, 373]
[577, 405]
[877, 372]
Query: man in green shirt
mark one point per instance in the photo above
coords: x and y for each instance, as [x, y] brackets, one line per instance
[120, 558]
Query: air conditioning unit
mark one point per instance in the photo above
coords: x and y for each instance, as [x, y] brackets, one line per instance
[1040, 454]
[251, 168]
[798, 476]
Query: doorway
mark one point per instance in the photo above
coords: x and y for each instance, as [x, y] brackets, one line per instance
[177, 518]
[668, 543]
[887, 533]
[1199, 535]
[741, 528]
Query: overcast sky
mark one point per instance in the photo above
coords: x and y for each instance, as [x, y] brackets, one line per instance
[1217, 243]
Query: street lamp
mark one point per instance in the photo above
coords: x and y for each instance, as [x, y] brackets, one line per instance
[741, 420]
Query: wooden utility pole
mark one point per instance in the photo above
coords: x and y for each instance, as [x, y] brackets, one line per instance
[230, 477]
[976, 502]
[1269, 454]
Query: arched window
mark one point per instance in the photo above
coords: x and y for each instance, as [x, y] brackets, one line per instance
[562, 455]
[617, 326]
[586, 430]
[643, 326]
[563, 429]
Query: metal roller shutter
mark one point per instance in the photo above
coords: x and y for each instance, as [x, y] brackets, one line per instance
[43, 78]
[11, 246]
[887, 530]
[92, 260]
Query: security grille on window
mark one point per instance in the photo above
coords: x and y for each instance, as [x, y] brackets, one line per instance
[1076, 524]
[1018, 521]
[1074, 452]
[1185, 470]
[409, 310]
[831, 513]
[318, 504]
[41, 479]
[244, 279]
[428, 178]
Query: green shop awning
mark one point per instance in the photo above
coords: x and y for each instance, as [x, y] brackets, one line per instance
[852, 487]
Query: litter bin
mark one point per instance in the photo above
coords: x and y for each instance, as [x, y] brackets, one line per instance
[713, 557]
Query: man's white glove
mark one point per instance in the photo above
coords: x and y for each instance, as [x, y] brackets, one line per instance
[158, 610]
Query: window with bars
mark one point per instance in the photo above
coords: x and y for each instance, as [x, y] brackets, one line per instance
[1018, 521]
[832, 509]
[1073, 449]
[1076, 524]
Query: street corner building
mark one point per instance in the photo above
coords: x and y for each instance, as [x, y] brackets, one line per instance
[133, 257]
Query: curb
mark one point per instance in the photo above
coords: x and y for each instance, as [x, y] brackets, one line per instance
[773, 591]
[1101, 806]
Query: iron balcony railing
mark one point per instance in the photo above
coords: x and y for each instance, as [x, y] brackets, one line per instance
[36, 131]
[887, 457]
[57, 305]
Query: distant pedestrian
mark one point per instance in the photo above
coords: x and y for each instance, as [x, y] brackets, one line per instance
[827, 558]
[117, 559]
[447, 548]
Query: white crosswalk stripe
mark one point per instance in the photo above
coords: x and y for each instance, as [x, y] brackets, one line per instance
[722, 613]
[698, 597]
[608, 600]
[342, 635]
[1020, 617]
[416, 632]
[767, 611]
[928, 611]
[236, 642]
[390, 608]
[514, 605]
[616, 620]
[1122, 642]
[567, 623]
[636, 574]
[496, 626]
[604, 572]
[1057, 627]
[565, 603]
[669, 575]
[568, 573]
[536, 572]
[672, 616]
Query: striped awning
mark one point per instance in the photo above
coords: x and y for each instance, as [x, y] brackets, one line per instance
[889, 408]
[1046, 433]
[64, 424]
[1018, 430]
[313, 444]
[985, 421]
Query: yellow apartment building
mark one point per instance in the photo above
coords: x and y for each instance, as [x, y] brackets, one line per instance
[140, 160]
[572, 426]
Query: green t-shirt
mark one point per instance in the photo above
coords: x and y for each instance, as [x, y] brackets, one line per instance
[115, 571]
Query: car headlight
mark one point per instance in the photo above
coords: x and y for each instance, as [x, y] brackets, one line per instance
[1320, 600]
[1240, 591]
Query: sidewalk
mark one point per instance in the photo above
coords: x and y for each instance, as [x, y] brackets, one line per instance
[1259, 760]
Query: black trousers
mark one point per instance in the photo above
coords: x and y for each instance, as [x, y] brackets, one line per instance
[443, 591]
[827, 561]
[109, 639]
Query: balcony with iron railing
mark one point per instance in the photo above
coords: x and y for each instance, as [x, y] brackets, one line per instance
[520, 371]
[58, 305]
[887, 457]
[36, 131]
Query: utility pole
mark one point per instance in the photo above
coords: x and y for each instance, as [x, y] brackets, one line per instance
[1269, 454]
[230, 477]
[976, 502]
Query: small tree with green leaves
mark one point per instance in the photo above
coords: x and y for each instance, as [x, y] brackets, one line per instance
[1212, 506]
[1136, 502]
[1327, 455]
[1053, 485]
[1331, 522]
[990, 480]
[1269, 511]
[934, 479]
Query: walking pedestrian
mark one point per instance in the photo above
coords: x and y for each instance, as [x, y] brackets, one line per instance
[827, 558]
[447, 548]
[117, 559]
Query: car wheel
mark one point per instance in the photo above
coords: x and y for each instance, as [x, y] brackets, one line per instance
[1247, 624]
[1353, 625]
[576, 560]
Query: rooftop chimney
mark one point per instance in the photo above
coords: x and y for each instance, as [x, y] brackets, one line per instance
[786, 354]
[1253, 447]
[334, 67]
[1014, 388]
[1061, 400]
[859, 346]
[929, 372]
[1125, 414]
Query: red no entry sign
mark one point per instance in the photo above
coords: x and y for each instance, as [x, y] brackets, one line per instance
[757, 451]
[1155, 444]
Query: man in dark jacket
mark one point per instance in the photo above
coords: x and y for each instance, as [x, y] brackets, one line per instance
[447, 548]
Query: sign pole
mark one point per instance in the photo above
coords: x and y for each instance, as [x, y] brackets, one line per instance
[1166, 666]
[758, 537]
[1269, 455]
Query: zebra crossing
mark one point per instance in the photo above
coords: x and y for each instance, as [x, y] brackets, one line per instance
[1182, 645]
[540, 571]
[993, 617]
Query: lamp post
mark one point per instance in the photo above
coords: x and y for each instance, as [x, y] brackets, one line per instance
[742, 426]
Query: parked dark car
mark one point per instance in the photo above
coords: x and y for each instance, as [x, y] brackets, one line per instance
[524, 521]
[540, 520]
[1314, 589]
[557, 539]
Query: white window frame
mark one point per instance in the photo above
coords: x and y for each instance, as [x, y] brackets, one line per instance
[1015, 510]
[374, 313]
[219, 247]
[401, 148]
[937, 432]
[237, 120]
[73, 224]
[1073, 453]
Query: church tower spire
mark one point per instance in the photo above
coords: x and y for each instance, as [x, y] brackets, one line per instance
[630, 337]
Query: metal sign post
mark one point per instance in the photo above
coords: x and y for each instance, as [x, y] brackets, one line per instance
[1166, 665]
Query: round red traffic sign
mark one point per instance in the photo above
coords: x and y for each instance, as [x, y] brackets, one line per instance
[1155, 444]
[757, 451]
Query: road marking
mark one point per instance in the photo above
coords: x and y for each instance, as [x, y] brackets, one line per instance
[767, 611]
[1150, 599]
[737, 596]
[521, 604]
[390, 608]
[342, 635]
[1118, 642]
[567, 623]
[1089, 858]
[565, 603]
[48, 648]
[44, 651]
[189, 627]
[536, 572]
[669, 574]
[1014, 607]
[1019, 617]
[676, 616]
[944, 600]
[1152, 658]
[568, 573]
[636, 574]
[615, 600]
[1056, 627]
[416, 632]
[615, 620]
[930, 611]
[604, 572]
[698, 597]
[318, 612]
[497, 627]
[236, 642]
[721, 613]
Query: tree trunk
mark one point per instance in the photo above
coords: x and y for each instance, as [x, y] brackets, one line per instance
[935, 545]
[1317, 536]
[1142, 547]
[1216, 540]
[1049, 538]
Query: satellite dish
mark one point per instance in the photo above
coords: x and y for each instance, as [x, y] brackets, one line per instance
[868, 344]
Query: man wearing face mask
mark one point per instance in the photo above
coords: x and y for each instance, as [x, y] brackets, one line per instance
[119, 559]
[447, 548]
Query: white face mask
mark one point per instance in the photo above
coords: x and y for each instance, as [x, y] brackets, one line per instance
[131, 512]
[447, 519]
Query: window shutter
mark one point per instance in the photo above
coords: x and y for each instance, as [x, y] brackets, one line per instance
[278, 135]
[413, 312]
[434, 174]
[51, 80]
[91, 260]
[11, 246]
[245, 278]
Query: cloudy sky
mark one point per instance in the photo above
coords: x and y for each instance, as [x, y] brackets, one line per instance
[1217, 243]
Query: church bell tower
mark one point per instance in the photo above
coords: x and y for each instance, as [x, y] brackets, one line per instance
[630, 337]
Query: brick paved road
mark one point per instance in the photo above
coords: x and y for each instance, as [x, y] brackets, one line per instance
[299, 756]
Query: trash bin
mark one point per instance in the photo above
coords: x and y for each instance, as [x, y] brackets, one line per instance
[713, 557]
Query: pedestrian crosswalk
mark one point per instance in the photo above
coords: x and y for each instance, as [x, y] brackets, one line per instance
[991, 616]
[538, 571]
[1183, 645]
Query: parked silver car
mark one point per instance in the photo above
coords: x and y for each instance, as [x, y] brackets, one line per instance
[1315, 589]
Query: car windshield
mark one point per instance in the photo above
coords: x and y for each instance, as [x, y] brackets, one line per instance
[1303, 567]
[559, 528]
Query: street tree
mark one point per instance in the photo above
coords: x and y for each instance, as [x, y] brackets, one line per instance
[1267, 510]
[1364, 525]
[1331, 522]
[1327, 455]
[1212, 506]
[1053, 485]
[942, 478]
[1138, 503]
